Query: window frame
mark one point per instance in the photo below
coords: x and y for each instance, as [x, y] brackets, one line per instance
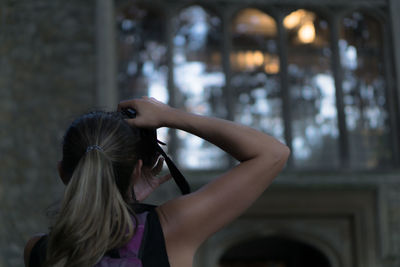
[334, 13]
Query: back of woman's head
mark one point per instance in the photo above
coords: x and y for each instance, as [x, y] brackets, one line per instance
[100, 151]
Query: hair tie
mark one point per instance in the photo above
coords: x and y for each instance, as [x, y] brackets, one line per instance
[90, 148]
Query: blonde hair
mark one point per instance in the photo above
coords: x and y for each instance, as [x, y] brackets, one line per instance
[94, 216]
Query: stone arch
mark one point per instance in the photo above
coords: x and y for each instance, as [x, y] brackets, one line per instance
[225, 240]
[278, 249]
[375, 14]
[209, 8]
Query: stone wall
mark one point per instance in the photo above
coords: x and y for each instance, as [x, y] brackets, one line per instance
[47, 77]
[47, 65]
[392, 197]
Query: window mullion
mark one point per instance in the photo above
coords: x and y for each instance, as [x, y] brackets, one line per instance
[226, 51]
[226, 65]
[173, 143]
[283, 57]
[390, 96]
[337, 73]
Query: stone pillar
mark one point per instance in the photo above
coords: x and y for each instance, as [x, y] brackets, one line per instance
[47, 61]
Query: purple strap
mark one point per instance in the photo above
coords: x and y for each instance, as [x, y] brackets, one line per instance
[129, 254]
[133, 246]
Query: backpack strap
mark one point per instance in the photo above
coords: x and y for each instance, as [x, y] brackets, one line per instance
[132, 248]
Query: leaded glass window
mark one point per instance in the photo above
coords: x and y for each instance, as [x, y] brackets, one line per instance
[141, 50]
[315, 80]
[364, 89]
[255, 72]
[199, 80]
[312, 90]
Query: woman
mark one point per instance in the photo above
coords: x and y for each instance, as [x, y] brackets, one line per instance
[103, 171]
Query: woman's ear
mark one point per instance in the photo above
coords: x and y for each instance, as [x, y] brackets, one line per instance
[61, 173]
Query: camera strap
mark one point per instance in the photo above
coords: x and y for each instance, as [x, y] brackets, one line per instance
[150, 141]
[176, 174]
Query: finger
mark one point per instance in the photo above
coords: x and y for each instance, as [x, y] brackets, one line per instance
[126, 104]
[157, 169]
[133, 122]
[165, 178]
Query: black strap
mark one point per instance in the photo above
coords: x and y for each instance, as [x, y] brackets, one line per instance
[176, 174]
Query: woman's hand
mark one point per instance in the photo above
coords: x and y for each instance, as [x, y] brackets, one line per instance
[150, 113]
[149, 181]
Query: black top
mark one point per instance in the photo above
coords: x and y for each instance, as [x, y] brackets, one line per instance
[153, 251]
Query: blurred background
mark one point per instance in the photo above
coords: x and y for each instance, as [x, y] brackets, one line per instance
[322, 76]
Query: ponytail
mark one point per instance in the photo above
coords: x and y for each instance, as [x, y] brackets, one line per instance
[94, 217]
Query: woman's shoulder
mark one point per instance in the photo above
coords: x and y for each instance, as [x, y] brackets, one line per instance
[30, 245]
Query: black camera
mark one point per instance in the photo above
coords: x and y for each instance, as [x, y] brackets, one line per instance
[150, 149]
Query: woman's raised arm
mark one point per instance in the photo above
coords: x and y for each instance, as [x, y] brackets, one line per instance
[188, 220]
